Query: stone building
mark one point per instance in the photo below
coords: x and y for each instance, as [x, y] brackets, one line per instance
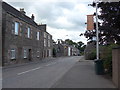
[48, 44]
[75, 51]
[63, 49]
[23, 38]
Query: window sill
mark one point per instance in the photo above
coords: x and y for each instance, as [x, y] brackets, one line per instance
[16, 34]
[13, 59]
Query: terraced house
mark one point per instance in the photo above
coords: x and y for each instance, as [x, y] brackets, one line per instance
[23, 38]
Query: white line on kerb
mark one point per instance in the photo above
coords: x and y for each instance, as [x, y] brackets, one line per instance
[29, 70]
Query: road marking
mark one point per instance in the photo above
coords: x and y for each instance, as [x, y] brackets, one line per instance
[50, 64]
[29, 71]
[35, 69]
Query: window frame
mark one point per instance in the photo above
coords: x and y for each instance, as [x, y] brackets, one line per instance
[28, 32]
[38, 52]
[24, 53]
[12, 54]
[38, 35]
[16, 28]
[45, 42]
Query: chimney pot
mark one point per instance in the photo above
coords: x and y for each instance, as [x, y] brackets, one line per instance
[32, 17]
[22, 11]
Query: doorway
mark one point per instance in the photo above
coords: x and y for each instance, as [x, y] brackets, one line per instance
[29, 54]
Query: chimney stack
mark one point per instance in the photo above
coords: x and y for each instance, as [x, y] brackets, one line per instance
[32, 17]
[22, 11]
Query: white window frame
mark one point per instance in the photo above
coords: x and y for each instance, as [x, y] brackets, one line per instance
[48, 43]
[38, 52]
[17, 25]
[48, 36]
[28, 32]
[45, 43]
[25, 53]
[45, 35]
[13, 54]
[38, 35]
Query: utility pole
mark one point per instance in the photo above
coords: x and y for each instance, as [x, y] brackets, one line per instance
[97, 32]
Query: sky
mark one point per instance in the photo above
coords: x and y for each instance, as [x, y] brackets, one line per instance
[65, 19]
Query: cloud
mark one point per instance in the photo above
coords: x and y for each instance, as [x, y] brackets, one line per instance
[65, 34]
[61, 17]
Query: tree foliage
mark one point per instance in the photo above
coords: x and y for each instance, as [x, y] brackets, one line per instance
[109, 28]
[79, 45]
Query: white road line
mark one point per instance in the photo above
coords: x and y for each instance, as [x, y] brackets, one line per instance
[28, 71]
[34, 69]
[50, 64]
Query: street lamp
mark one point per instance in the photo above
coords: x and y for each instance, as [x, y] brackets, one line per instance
[97, 33]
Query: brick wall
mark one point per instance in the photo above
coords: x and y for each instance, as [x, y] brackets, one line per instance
[116, 66]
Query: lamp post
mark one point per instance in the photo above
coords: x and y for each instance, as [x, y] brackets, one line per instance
[97, 33]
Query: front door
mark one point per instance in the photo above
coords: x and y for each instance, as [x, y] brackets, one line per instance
[29, 55]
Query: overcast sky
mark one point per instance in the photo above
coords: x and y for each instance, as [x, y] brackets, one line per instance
[65, 19]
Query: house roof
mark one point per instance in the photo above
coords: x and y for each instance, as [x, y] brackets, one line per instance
[11, 10]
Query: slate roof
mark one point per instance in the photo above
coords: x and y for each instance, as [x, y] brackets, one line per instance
[11, 10]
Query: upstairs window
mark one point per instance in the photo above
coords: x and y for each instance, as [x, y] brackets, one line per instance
[45, 35]
[48, 43]
[16, 28]
[48, 36]
[38, 35]
[13, 54]
[28, 32]
[45, 43]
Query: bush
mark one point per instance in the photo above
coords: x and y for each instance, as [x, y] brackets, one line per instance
[54, 52]
[92, 55]
[106, 55]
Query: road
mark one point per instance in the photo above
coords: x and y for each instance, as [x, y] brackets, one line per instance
[38, 75]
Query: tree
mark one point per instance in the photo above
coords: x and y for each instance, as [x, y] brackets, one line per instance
[79, 45]
[109, 29]
[69, 42]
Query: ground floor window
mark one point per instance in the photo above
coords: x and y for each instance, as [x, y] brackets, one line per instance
[38, 54]
[13, 54]
[25, 53]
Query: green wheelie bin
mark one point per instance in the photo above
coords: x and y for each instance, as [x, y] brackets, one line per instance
[99, 68]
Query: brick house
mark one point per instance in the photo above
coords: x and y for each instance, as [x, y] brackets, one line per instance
[23, 38]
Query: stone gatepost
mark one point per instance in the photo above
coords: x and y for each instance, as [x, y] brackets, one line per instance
[0, 33]
[0, 44]
[116, 67]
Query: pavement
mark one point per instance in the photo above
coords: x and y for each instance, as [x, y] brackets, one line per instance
[82, 75]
